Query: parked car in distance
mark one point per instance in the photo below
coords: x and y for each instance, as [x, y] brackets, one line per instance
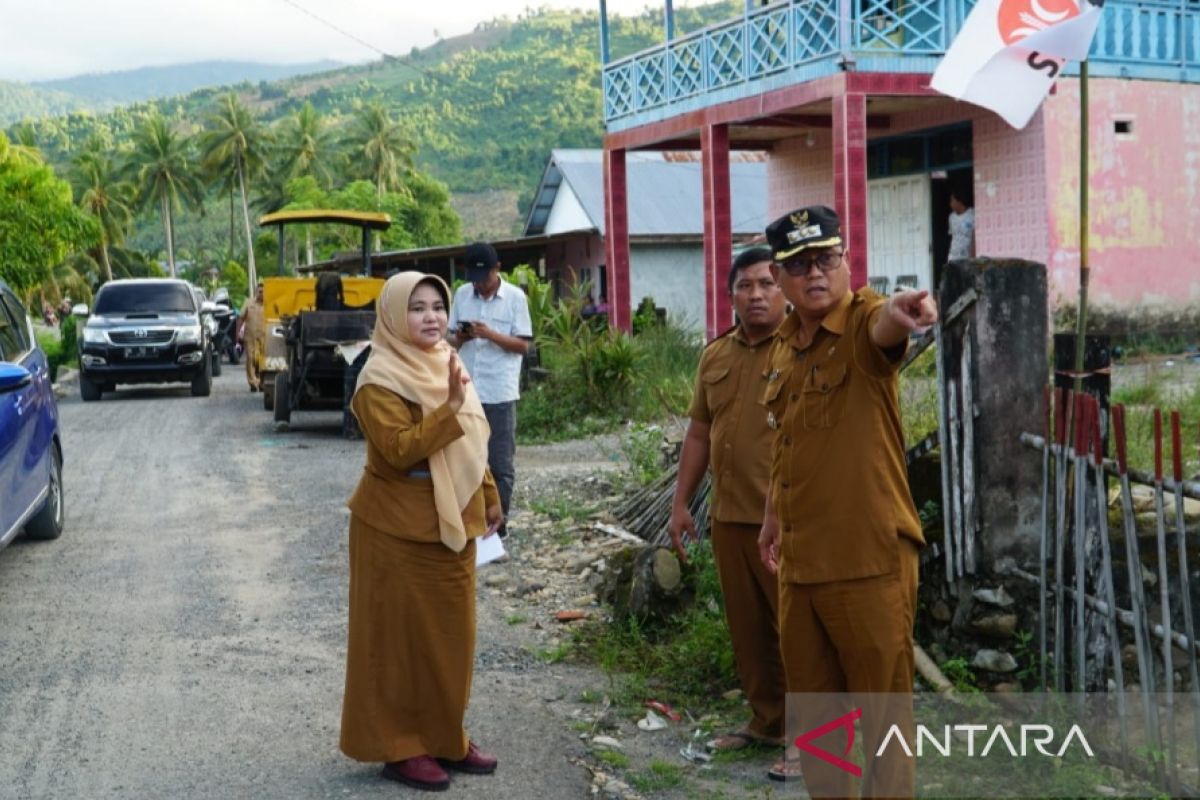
[144, 331]
[31, 493]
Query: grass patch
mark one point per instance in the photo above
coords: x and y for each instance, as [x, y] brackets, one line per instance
[659, 777]
[613, 758]
[515, 619]
[559, 507]
[1139, 425]
[554, 655]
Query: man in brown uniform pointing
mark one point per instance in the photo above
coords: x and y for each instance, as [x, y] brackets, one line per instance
[840, 528]
[728, 433]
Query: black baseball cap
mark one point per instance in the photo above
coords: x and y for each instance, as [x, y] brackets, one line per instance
[479, 260]
[814, 226]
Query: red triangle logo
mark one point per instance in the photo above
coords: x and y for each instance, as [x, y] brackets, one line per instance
[805, 742]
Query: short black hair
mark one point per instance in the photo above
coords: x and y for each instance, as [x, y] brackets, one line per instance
[747, 258]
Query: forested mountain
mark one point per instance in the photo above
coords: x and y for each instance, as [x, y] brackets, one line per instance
[478, 112]
[102, 91]
[19, 101]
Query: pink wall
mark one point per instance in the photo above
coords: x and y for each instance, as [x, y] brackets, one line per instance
[800, 174]
[1145, 192]
[1010, 189]
[1145, 202]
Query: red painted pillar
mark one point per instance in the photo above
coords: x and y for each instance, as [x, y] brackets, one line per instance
[718, 227]
[850, 179]
[616, 240]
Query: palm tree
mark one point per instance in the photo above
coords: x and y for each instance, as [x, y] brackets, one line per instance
[307, 146]
[161, 166]
[23, 144]
[235, 143]
[380, 144]
[103, 196]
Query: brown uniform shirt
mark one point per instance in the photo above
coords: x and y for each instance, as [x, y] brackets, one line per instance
[729, 383]
[400, 439]
[839, 480]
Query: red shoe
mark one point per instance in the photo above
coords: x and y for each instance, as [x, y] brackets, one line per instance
[476, 762]
[420, 772]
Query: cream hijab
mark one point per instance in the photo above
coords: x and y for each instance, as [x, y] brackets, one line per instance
[423, 376]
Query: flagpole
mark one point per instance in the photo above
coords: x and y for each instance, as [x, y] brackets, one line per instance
[1084, 174]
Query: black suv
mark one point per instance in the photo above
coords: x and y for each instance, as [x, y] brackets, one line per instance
[144, 331]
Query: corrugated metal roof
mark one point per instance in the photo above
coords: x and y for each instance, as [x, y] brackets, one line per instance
[664, 190]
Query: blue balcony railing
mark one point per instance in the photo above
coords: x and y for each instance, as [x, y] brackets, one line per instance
[796, 40]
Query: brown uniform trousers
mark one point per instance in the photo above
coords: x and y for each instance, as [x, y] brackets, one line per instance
[849, 538]
[253, 341]
[729, 382]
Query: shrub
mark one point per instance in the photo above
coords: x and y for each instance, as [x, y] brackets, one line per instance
[69, 343]
[49, 342]
[642, 447]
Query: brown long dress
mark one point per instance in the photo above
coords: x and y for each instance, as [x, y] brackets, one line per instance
[411, 642]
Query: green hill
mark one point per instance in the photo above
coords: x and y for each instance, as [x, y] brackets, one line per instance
[109, 89]
[484, 109]
[19, 101]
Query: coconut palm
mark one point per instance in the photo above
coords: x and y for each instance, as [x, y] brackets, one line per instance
[307, 146]
[162, 172]
[235, 142]
[378, 142]
[103, 196]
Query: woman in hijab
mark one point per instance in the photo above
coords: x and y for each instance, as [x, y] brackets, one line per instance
[424, 496]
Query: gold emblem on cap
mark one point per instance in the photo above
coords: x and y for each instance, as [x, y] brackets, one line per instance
[799, 217]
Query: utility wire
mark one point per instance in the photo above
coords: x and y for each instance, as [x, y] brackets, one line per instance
[388, 57]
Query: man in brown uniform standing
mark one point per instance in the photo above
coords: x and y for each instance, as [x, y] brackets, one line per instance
[250, 332]
[840, 527]
[728, 433]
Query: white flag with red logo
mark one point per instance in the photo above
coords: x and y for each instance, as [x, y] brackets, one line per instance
[1009, 52]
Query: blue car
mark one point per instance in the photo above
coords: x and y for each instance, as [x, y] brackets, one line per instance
[31, 495]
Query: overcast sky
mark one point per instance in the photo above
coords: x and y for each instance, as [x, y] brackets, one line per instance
[48, 39]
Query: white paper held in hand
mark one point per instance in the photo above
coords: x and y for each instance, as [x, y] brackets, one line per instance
[488, 549]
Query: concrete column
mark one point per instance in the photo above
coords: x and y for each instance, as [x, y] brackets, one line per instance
[850, 179]
[616, 239]
[1007, 331]
[718, 228]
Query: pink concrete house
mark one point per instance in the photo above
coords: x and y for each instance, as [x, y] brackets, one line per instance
[837, 91]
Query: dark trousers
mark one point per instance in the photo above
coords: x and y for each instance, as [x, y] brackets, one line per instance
[502, 446]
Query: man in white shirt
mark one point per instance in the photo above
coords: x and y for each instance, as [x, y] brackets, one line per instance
[490, 325]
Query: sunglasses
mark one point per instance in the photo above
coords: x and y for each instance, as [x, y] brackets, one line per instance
[802, 265]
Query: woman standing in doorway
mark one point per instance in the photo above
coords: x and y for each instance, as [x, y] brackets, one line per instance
[424, 496]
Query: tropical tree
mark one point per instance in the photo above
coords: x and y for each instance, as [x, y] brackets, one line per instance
[104, 197]
[39, 223]
[380, 145]
[236, 142]
[162, 171]
[307, 146]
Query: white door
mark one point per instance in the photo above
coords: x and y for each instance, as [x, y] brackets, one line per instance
[900, 239]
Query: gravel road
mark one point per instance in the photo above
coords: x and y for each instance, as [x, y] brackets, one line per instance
[185, 637]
